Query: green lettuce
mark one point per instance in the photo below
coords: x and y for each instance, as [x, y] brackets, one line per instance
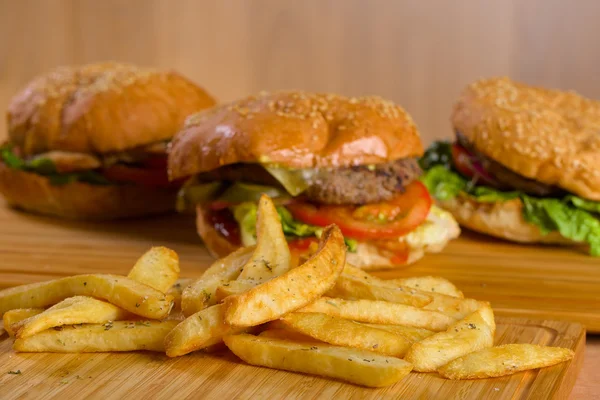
[246, 213]
[572, 216]
[45, 167]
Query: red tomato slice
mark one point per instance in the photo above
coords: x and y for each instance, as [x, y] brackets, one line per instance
[386, 220]
[140, 176]
[302, 244]
[156, 162]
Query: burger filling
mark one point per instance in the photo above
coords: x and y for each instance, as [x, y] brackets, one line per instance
[457, 169]
[145, 165]
[384, 205]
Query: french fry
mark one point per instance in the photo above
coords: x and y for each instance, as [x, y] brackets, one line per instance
[287, 334]
[351, 287]
[271, 257]
[201, 292]
[177, 290]
[71, 311]
[380, 312]
[434, 284]
[355, 366]
[470, 334]
[233, 288]
[343, 332]
[123, 292]
[94, 338]
[157, 268]
[295, 289]
[504, 360]
[356, 272]
[198, 331]
[12, 317]
[455, 307]
[410, 333]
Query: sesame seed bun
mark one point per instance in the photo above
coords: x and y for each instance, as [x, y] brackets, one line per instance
[34, 193]
[503, 220]
[101, 108]
[546, 135]
[295, 130]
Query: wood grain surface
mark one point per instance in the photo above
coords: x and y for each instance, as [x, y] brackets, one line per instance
[222, 375]
[418, 53]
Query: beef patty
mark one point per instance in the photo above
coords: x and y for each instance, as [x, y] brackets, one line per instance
[353, 185]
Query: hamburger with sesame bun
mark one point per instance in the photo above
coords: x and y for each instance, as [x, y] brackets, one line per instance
[90, 142]
[323, 159]
[525, 165]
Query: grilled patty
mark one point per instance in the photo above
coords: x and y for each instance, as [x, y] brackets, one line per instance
[352, 185]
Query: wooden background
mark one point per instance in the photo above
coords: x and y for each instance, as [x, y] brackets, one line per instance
[418, 53]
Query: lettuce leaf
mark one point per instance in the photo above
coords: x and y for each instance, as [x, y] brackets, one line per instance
[246, 213]
[572, 216]
[439, 153]
[45, 167]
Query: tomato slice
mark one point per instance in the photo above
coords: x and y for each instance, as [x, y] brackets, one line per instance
[156, 162]
[386, 220]
[141, 176]
[302, 244]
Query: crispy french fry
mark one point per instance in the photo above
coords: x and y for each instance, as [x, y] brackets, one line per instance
[271, 257]
[287, 334]
[233, 288]
[455, 307]
[94, 338]
[295, 289]
[356, 272]
[198, 331]
[351, 287]
[201, 292]
[434, 284]
[380, 312]
[470, 334]
[355, 366]
[343, 332]
[126, 293]
[12, 317]
[157, 268]
[72, 311]
[177, 290]
[410, 333]
[504, 360]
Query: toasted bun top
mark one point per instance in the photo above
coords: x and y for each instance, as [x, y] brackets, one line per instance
[101, 108]
[547, 135]
[295, 130]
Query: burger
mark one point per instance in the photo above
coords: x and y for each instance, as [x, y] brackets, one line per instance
[525, 165]
[90, 142]
[324, 159]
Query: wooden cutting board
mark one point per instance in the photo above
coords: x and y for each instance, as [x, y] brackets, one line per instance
[531, 281]
[223, 376]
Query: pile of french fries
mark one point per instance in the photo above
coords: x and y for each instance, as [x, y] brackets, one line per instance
[322, 317]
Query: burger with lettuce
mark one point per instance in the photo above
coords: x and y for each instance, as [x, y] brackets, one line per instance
[525, 165]
[323, 159]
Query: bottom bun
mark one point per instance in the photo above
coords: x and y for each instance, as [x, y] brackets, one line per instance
[501, 219]
[82, 201]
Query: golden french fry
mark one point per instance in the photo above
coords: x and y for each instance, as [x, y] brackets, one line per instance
[15, 316]
[504, 360]
[95, 338]
[380, 312]
[455, 307]
[410, 333]
[356, 272]
[271, 257]
[287, 334]
[157, 268]
[355, 366]
[126, 293]
[233, 288]
[201, 292]
[351, 287]
[177, 290]
[434, 284]
[200, 330]
[470, 334]
[72, 311]
[295, 289]
[343, 332]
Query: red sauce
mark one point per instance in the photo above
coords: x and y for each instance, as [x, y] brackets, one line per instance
[224, 223]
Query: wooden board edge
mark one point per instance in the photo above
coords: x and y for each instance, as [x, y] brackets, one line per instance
[591, 325]
[569, 377]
